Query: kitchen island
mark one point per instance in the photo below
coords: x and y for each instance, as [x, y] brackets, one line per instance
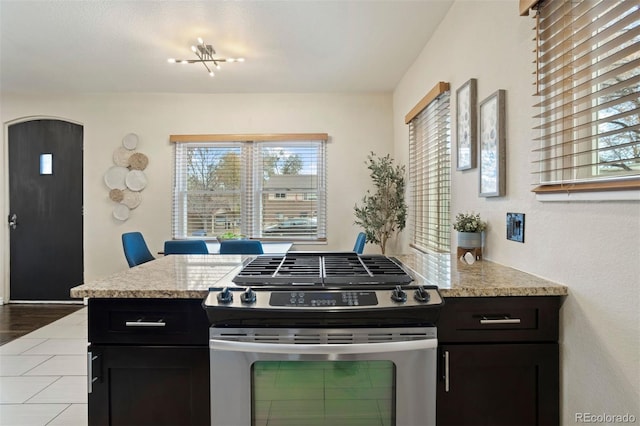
[148, 353]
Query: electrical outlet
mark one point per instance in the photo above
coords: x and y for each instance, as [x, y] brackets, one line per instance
[515, 227]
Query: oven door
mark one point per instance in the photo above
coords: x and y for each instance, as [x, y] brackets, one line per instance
[328, 377]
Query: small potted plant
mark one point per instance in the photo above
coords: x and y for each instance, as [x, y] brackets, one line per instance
[470, 230]
[229, 236]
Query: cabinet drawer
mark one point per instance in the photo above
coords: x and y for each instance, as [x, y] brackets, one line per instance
[148, 321]
[498, 319]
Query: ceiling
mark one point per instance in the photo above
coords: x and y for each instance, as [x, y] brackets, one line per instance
[289, 45]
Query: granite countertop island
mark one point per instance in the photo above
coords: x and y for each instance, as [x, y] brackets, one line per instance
[190, 276]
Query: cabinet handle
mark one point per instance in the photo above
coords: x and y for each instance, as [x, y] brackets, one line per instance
[505, 320]
[90, 378]
[446, 371]
[140, 323]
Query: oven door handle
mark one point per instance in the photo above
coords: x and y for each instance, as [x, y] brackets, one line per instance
[321, 349]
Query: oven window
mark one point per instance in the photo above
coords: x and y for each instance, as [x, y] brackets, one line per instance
[327, 393]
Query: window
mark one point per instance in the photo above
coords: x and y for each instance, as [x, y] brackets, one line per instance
[430, 170]
[268, 189]
[588, 80]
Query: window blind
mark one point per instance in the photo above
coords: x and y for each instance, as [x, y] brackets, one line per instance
[430, 173]
[588, 81]
[291, 182]
[267, 190]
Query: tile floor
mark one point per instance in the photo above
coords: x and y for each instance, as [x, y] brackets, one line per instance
[43, 375]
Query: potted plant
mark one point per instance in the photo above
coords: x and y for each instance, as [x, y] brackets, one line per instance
[383, 212]
[229, 236]
[470, 230]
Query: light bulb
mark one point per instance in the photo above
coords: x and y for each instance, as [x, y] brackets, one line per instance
[218, 67]
[193, 48]
[231, 60]
[211, 73]
[171, 60]
[200, 40]
[184, 61]
[240, 59]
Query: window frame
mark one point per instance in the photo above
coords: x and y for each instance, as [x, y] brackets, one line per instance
[430, 120]
[251, 190]
[586, 176]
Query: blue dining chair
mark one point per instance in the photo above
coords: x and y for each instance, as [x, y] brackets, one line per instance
[135, 249]
[241, 247]
[185, 247]
[361, 240]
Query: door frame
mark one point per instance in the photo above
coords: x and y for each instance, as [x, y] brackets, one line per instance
[5, 250]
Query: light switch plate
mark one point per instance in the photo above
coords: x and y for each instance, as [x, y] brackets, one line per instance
[515, 227]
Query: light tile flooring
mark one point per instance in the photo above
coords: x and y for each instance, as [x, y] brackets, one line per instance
[43, 375]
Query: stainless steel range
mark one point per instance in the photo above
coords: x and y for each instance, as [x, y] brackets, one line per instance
[318, 338]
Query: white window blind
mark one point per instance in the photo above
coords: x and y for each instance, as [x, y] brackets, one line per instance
[588, 80]
[430, 172]
[266, 190]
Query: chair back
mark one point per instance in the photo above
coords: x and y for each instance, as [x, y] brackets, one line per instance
[241, 247]
[361, 240]
[135, 249]
[185, 247]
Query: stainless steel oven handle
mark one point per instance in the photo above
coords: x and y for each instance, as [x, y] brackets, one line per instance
[321, 349]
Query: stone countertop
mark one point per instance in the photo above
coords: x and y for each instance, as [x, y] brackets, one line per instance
[170, 277]
[483, 278]
[190, 276]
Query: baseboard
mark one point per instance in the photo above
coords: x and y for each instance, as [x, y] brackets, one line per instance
[1, 301]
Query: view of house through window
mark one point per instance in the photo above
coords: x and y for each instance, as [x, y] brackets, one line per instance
[267, 190]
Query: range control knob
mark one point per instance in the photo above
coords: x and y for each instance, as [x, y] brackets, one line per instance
[248, 297]
[421, 295]
[225, 296]
[398, 295]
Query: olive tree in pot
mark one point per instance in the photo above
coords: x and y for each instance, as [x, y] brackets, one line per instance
[383, 212]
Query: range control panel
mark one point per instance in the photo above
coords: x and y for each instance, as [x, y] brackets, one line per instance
[323, 299]
[260, 298]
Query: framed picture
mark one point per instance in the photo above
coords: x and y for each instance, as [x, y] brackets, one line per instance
[492, 145]
[466, 125]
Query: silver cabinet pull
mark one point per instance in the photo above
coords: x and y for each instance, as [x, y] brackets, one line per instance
[446, 371]
[505, 320]
[140, 323]
[90, 378]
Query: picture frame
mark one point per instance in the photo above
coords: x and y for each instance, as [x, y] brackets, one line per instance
[467, 125]
[492, 161]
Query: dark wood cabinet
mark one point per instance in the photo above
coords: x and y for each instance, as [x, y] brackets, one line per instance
[499, 362]
[148, 362]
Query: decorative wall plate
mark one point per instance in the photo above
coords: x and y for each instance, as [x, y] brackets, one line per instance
[131, 199]
[130, 141]
[138, 161]
[122, 156]
[136, 180]
[121, 212]
[116, 195]
[115, 177]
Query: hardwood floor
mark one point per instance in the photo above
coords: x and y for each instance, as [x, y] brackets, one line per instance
[17, 319]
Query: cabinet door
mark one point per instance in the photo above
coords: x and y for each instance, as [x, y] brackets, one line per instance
[498, 384]
[149, 386]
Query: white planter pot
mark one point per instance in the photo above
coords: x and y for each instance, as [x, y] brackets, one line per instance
[470, 239]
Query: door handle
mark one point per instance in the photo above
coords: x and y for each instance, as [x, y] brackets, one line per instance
[13, 221]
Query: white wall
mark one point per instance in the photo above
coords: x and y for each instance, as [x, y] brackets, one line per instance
[592, 247]
[356, 124]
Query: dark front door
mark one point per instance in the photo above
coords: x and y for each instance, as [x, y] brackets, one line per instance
[45, 202]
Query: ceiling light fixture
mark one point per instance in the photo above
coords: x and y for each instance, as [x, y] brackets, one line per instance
[205, 54]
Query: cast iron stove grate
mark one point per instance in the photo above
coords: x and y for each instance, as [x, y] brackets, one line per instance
[328, 268]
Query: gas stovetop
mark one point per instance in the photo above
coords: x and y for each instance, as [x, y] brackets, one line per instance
[322, 269]
[303, 289]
